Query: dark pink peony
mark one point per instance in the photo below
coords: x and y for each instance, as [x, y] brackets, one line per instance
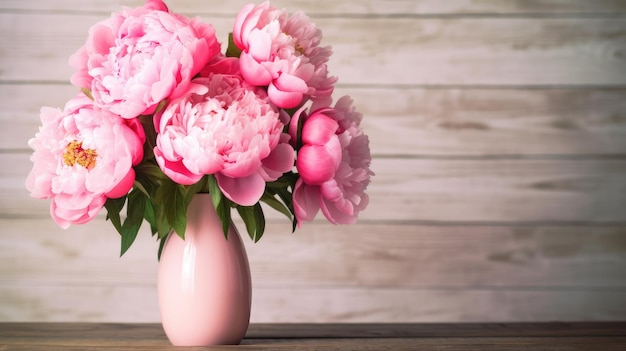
[333, 164]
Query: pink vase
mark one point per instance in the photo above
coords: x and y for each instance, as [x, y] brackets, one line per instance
[204, 286]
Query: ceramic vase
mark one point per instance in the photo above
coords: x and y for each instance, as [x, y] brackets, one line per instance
[204, 286]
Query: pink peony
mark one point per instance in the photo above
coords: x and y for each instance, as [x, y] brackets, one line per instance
[82, 156]
[282, 52]
[139, 57]
[225, 127]
[333, 164]
[320, 154]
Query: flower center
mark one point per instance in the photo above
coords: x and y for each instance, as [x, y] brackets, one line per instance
[300, 49]
[74, 153]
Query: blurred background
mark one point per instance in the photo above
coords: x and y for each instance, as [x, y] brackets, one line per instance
[498, 131]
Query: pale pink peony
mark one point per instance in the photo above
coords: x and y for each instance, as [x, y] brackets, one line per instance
[139, 57]
[82, 156]
[225, 127]
[283, 53]
[333, 164]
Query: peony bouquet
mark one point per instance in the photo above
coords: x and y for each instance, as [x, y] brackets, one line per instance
[162, 114]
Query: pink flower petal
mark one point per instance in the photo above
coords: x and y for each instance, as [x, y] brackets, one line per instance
[253, 72]
[80, 78]
[124, 186]
[306, 202]
[101, 38]
[284, 99]
[318, 129]
[288, 82]
[156, 5]
[176, 170]
[281, 160]
[316, 164]
[221, 65]
[260, 45]
[240, 20]
[294, 125]
[335, 215]
[75, 209]
[243, 191]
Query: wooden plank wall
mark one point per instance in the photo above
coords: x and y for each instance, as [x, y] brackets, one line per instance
[498, 130]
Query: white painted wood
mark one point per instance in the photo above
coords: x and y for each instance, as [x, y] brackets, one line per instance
[442, 190]
[498, 129]
[493, 122]
[334, 7]
[380, 50]
[424, 122]
[293, 305]
[324, 255]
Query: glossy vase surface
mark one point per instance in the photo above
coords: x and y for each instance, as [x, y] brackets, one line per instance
[204, 284]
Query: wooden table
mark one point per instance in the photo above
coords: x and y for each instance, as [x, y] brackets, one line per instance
[417, 336]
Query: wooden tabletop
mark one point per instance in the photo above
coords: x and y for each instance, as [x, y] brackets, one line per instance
[415, 336]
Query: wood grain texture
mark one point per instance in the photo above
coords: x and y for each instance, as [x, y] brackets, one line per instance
[424, 122]
[475, 344]
[483, 190]
[383, 51]
[405, 336]
[152, 331]
[346, 7]
[130, 304]
[328, 256]
[498, 130]
[361, 273]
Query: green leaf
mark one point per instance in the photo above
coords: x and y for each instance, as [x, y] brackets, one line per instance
[147, 184]
[259, 218]
[151, 170]
[163, 226]
[221, 203]
[171, 205]
[232, 50]
[179, 223]
[281, 187]
[287, 199]
[223, 212]
[140, 186]
[254, 219]
[150, 216]
[278, 184]
[134, 217]
[147, 122]
[247, 214]
[214, 191]
[276, 204]
[161, 245]
[194, 189]
[177, 215]
[114, 206]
